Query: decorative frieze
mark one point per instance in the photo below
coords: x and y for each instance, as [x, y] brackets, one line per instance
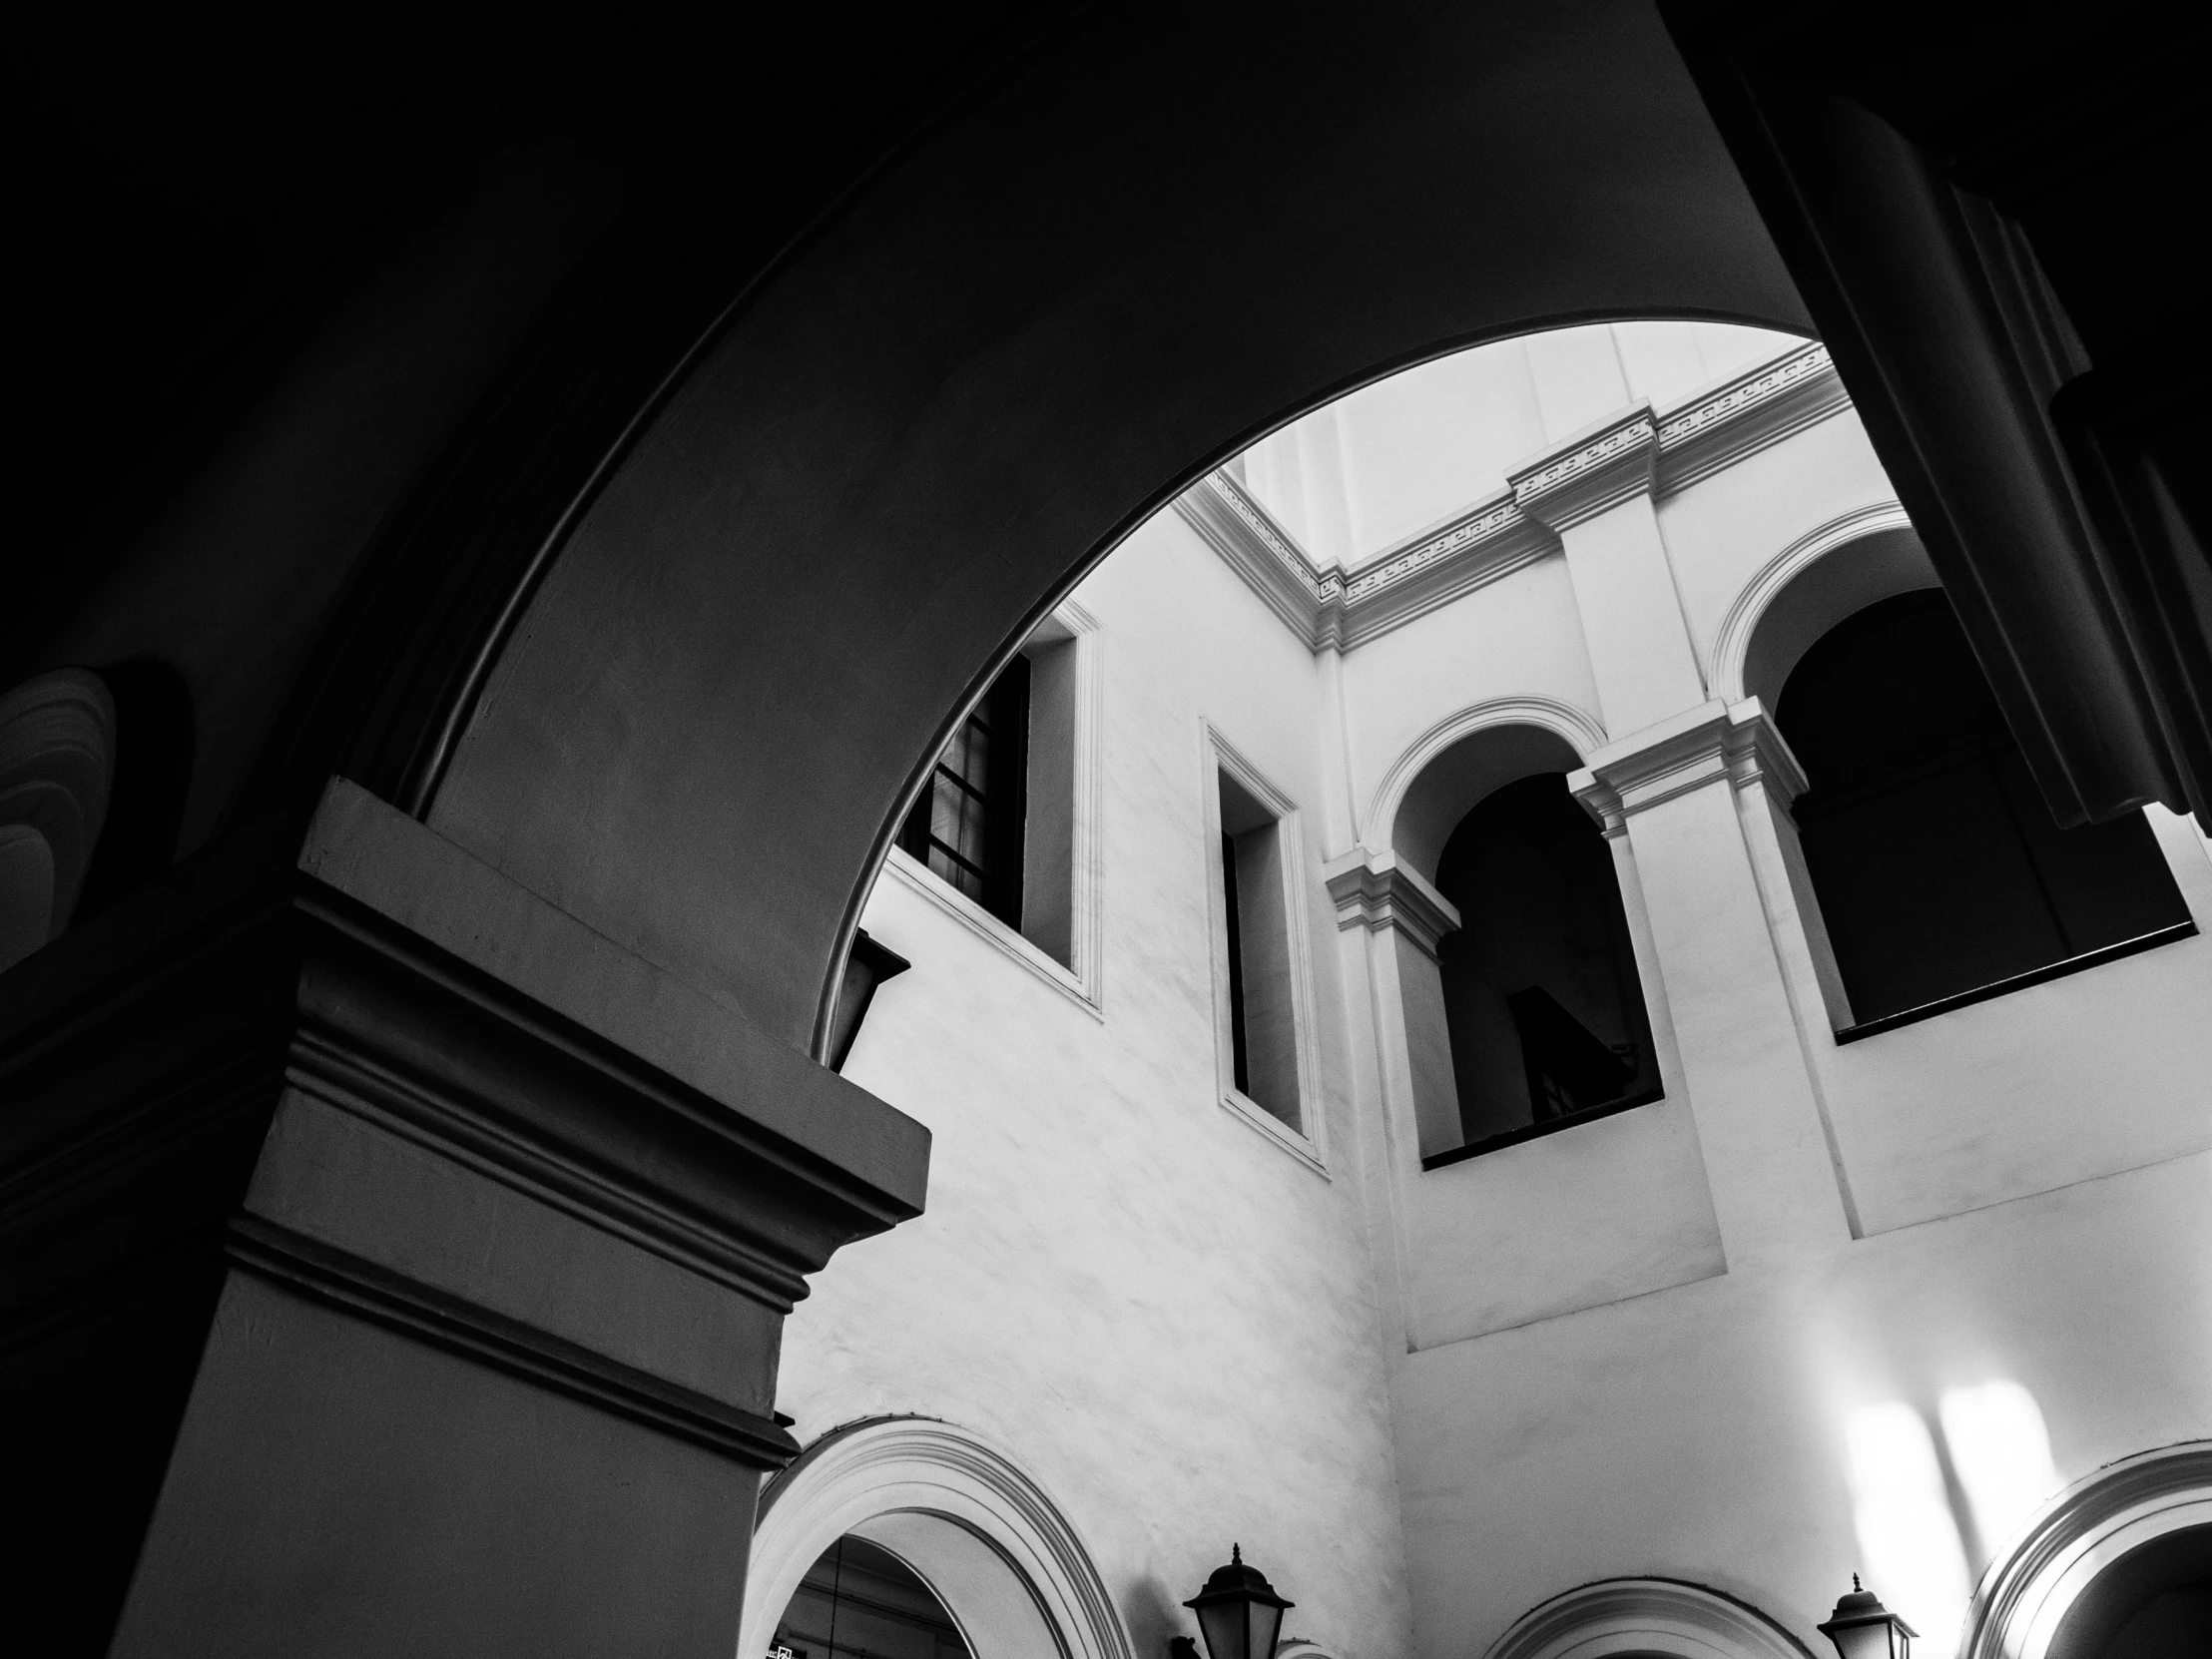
[1638, 452]
[1716, 742]
[1601, 469]
[1379, 893]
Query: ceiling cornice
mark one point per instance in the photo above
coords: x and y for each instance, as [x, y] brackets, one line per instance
[1331, 608]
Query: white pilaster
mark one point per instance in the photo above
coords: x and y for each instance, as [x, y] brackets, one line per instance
[1692, 796]
[1595, 493]
[1406, 919]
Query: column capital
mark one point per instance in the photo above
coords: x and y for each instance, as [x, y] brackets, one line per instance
[1598, 468]
[1738, 741]
[1381, 892]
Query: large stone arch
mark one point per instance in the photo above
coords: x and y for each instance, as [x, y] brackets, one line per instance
[1002, 1558]
[990, 365]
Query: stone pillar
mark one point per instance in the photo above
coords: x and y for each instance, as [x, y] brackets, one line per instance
[1697, 796]
[398, 1267]
[1406, 919]
[1595, 493]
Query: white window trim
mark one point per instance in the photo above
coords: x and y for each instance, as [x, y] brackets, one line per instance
[1081, 983]
[1310, 1147]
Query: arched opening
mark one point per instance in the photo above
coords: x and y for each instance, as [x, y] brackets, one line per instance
[924, 1502]
[1939, 871]
[1546, 1016]
[1536, 999]
[2154, 1602]
[859, 1601]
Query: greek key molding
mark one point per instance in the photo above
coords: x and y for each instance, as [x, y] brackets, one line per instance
[1334, 609]
[1601, 470]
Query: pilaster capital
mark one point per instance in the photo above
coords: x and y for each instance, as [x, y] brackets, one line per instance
[1737, 742]
[1594, 470]
[1379, 892]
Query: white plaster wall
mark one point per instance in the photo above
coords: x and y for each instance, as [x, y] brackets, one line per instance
[1163, 1314]
[1699, 1433]
[1425, 1401]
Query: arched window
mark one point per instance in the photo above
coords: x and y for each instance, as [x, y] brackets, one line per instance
[859, 1601]
[1939, 871]
[1540, 990]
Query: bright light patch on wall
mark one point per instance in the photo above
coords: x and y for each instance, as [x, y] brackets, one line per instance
[2002, 1454]
[1914, 1559]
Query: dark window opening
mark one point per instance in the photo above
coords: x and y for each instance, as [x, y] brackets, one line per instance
[859, 1601]
[1259, 983]
[1240, 1056]
[1542, 1000]
[1938, 869]
[967, 826]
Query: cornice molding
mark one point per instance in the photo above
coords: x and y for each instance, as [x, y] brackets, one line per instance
[1636, 451]
[1715, 742]
[1594, 471]
[1378, 891]
[1755, 410]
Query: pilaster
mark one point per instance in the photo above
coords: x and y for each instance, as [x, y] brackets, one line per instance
[1404, 920]
[1691, 795]
[1595, 493]
[398, 1256]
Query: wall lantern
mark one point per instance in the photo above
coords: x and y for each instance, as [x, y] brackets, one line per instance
[865, 967]
[1239, 1612]
[1862, 1628]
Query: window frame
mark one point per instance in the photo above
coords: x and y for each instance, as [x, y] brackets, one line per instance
[1308, 1141]
[1073, 629]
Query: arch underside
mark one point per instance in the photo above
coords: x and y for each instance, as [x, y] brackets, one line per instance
[1121, 266]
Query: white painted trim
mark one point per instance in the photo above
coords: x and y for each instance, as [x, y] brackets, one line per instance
[905, 1479]
[1732, 644]
[928, 884]
[1641, 1616]
[1583, 732]
[1331, 608]
[1310, 1141]
[1082, 981]
[2031, 1587]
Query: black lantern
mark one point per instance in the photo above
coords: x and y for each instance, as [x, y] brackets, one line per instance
[1862, 1628]
[1239, 1611]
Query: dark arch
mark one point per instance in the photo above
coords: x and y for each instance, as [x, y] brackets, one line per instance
[1113, 272]
[1546, 1012]
[1937, 865]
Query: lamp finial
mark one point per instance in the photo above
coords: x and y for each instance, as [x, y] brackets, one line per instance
[1855, 1584]
[1236, 1556]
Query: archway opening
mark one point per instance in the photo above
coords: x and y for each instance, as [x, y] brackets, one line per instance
[859, 1601]
[1938, 866]
[1541, 996]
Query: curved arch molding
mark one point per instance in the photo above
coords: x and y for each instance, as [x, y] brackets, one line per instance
[1582, 731]
[1621, 1616]
[2029, 1590]
[1732, 644]
[961, 1513]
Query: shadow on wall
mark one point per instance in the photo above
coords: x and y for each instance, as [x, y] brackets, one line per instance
[1934, 1503]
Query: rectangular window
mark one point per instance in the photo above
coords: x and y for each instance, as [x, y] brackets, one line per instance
[1260, 976]
[967, 827]
[1008, 821]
